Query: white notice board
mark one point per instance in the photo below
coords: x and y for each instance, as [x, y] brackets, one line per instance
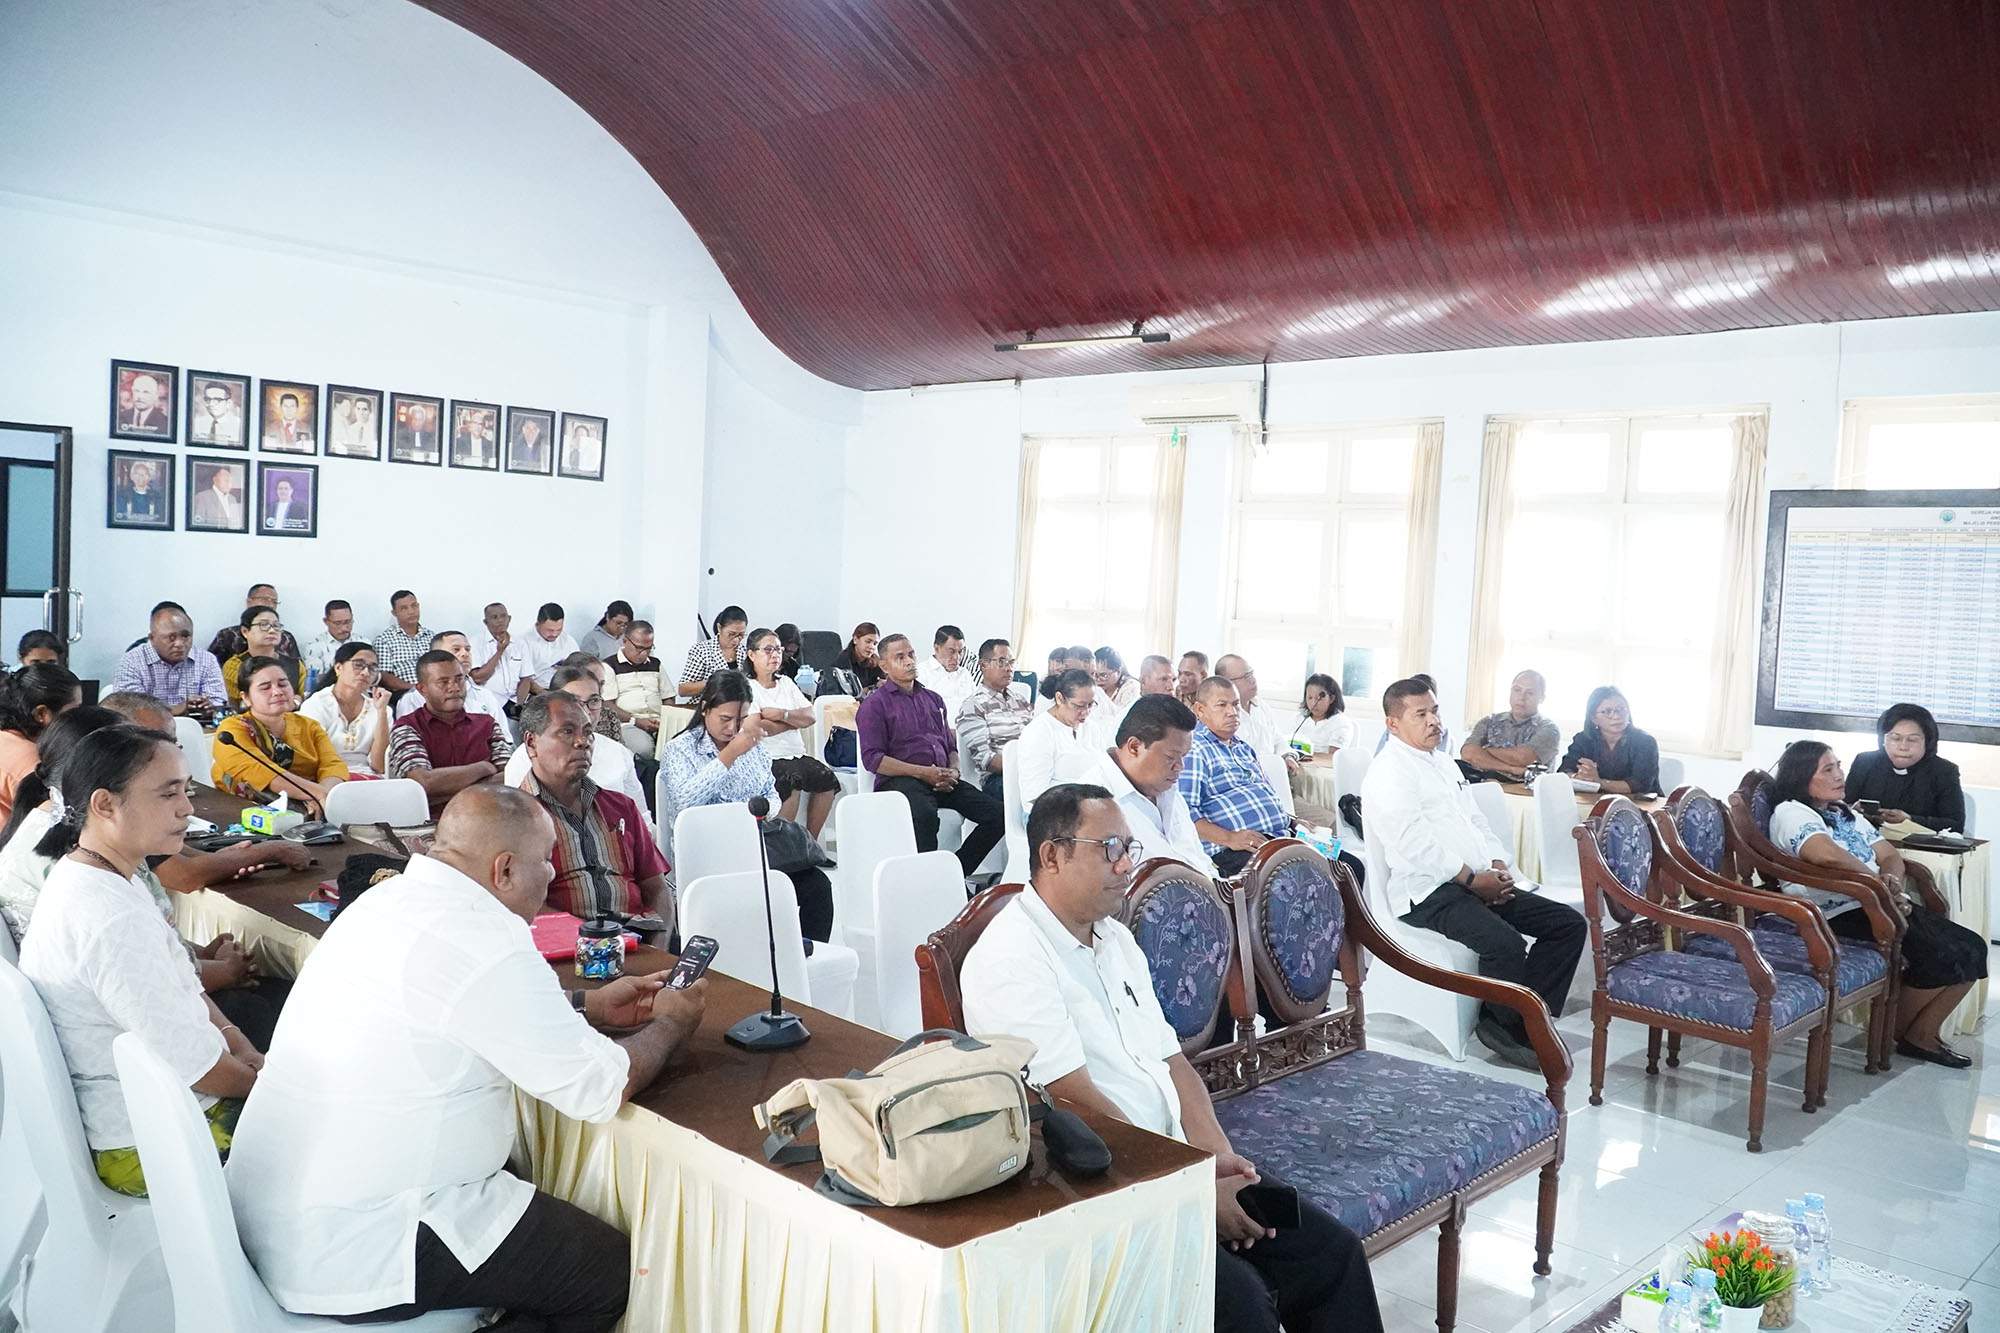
[1880, 597]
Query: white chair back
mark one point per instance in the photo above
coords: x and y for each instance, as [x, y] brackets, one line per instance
[1019, 864]
[1492, 803]
[1555, 815]
[729, 909]
[714, 840]
[1673, 772]
[1279, 777]
[8, 953]
[914, 895]
[1350, 767]
[399, 802]
[197, 747]
[873, 826]
[1444, 1014]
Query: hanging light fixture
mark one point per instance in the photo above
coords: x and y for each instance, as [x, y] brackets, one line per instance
[1033, 344]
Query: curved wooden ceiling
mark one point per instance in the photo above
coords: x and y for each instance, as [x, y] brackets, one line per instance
[892, 186]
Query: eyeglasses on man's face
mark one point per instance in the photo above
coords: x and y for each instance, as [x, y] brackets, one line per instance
[1115, 849]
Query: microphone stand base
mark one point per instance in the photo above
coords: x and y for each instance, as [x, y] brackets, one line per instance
[768, 1032]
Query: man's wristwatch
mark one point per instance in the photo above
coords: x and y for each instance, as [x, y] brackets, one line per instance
[576, 999]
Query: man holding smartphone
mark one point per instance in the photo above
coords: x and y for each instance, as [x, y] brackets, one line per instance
[1056, 967]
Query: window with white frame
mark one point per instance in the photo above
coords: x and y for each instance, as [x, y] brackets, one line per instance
[1318, 548]
[1612, 565]
[1908, 444]
[1099, 544]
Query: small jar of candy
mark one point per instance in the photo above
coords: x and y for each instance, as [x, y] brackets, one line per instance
[1776, 1233]
[600, 950]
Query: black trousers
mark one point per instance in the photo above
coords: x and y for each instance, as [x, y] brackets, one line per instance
[254, 1009]
[1311, 1279]
[815, 894]
[979, 810]
[560, 1270]
[1495, 932]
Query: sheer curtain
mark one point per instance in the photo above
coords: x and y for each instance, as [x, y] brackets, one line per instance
[1734, 652]
[1163, 593]
[1024, 540]
[1420, 559]
[1496, 515]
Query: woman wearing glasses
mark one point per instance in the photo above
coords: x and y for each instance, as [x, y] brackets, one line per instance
[263, 635]
[782, 707]
[1056, 732]
[1610, 751]
[354, 710]
[272, 749]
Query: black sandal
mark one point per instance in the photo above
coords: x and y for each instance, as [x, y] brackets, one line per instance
[1943, 1055]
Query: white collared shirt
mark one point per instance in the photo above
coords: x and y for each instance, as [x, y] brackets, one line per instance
[954, 687]
[355, 740]
[539, 656]
[611, 768]
[1164, 825]
[1259, 726]
[1084, 1008]
[387, 1099]
[506, 677]
[1419, 810]
[1043, 743]
[478, 699]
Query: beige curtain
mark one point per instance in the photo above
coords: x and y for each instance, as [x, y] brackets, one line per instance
[1734, 650]
[1496, 515]
[1420, 556]
[1024, 539]
[1163, 594]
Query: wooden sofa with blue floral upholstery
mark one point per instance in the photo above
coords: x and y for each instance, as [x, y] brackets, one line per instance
[1644, 974]
[1392, 1147]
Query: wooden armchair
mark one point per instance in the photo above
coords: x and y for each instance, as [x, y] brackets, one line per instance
[1738, 1001]
[941, 956]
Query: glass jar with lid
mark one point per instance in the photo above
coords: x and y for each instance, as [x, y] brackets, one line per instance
[1775, 1231]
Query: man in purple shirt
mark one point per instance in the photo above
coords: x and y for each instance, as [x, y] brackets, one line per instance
[907, 745]
[161, 665]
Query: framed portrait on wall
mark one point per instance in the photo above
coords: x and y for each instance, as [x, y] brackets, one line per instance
[287, 500]
[287, 416]
[582, 453]
[142, 402]
[216, 495]
[475, 435]
[414, 421]
[218, 405]
[353, 422]
[139, 491]
[531, 440]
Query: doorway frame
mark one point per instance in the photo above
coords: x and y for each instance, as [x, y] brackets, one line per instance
[64, 465]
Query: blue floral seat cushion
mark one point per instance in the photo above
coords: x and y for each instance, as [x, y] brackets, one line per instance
[1710, 990]
[1372, 1138]
[1186, 936]
[1855, 964]
[1302, 921]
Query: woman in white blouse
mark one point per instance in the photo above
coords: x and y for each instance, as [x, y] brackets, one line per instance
[354, 710]
[1053, 733]
[105, 961]
[777, 701]
[1323, 721]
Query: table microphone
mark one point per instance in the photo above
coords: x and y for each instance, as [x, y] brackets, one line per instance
[774, 1029]
[225, 738]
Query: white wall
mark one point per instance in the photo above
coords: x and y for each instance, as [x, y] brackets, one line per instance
[367, 194]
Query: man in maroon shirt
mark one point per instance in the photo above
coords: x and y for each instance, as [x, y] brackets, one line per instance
[441, 746]
[907, 745]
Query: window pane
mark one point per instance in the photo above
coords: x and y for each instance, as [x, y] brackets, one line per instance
[1945, 454]
[1669, 692]
[1278, 568]
[1127, 568]
[1371, 566]
[1380, 464]
[1134, 468]
[1280, 663]
[1068, 558]
[1690, 544]
[1070, 468]
[1684, 460]
[1558, 574]
[1288, 465]
[1364, 667]
[1572, 673]
[31, 542]
[1550, 461]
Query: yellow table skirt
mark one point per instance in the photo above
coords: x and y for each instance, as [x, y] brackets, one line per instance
[721, 1244]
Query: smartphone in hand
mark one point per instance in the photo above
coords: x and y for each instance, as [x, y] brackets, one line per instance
[1273, 1206]
[698, 953]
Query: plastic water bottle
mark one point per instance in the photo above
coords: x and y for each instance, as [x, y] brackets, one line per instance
[1707, 1305]
[1679, 1315]
[1821, 1230]
[1806, 1257]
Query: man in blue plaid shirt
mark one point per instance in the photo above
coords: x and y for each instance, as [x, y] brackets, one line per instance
[1235, 809]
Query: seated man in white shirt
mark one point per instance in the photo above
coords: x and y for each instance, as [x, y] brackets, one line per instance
[1143, 774]
[478, 699]
[1057, 968]
[1448, 872]
[1060, 729]
[944, 672]
[543, 651]
[368, 1176]
[498, 653]
[611, 762]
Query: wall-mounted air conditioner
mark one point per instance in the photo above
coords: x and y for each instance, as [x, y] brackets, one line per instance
[1195, 404]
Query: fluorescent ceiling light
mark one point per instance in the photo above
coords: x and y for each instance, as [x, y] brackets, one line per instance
[1033, 344]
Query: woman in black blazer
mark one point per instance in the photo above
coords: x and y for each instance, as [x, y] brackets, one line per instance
[1610, 751]
[1905, 773]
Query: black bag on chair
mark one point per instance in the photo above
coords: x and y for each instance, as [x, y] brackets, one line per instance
[789, 848]
[1350, 810]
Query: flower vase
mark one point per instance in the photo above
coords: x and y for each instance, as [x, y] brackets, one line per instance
[1741, 1319]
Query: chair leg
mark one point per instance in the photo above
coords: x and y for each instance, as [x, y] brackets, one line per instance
[1600, 1035]
[1760, 1062]
[1652, 1050]
[1673, 1050]
[1816, 1045]
[1545, 1219]
[1447, 1287]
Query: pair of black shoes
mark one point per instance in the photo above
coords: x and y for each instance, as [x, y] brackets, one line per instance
[1943, 1055]
[1510, 1048]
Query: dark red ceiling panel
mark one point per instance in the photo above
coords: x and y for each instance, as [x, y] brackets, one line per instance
[892, 186]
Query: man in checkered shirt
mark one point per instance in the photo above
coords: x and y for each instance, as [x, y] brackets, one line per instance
[1235, 809]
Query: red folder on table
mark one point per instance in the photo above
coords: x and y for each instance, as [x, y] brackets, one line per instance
[555, 935]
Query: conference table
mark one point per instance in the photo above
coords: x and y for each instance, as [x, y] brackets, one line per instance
[1962, 879]
[722, 1240]
[1527, 833]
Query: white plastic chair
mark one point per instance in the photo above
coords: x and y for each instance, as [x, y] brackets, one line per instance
[714, 840]
[1350, 766]
[97, 1268]
[1019, 863]
[1555, 816]
[214, 1287]
[1492, 803]
[1280, 779]
[199, 749]
[1448, 1016]
[398, 802]
[914, 895]
[872, 826]
[729, 910]
[1673, 772]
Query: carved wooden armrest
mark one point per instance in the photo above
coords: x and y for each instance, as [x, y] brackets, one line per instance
[1923, 887]
[1806, 918]
[1762, 979]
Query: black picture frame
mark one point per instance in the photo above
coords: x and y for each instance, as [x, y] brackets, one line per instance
[158, 507]
[466, 450]
[195, 423]
[333, 431]
[127, 422]
[406, 446]
[269, 475]
[574, 466]
[517, 456]
[270, 406]
[197, 516]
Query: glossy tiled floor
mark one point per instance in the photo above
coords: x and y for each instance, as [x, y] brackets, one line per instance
[1909, 1162]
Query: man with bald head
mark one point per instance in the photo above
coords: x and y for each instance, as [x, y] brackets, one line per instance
[1506, 743]
[163, 665]
[1235, 808]
[400, 1051]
